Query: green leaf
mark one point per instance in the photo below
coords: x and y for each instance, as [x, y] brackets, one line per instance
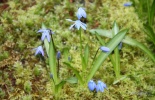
[111, 56]
[43, 26]
[116, 64]
[102, 32]
[86, 54]
[149, 31]
[102, 56]
[76, 72]
[59, 86]
[83, 63]
[72, 80]
[115, 28]
[103, 43]
[127, 40]
[152, 13]
[120, 79]
[46, 44]
[135, 43]
[52, 62]
[65, 54]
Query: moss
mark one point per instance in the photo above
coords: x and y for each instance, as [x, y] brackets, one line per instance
[24, 76]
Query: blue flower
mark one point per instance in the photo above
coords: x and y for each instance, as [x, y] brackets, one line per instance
[45, 34]
[69, 58]
[120, 46]
[104, 49]
[45, 31]
[39, 50]
[91, 85]
[127, 4]
[77, 24]
[58, 55]
[81, 13]
[100, 86]
[51, 75]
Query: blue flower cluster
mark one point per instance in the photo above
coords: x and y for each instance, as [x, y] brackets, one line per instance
[99, 87]
[46, 34]
[77, 24]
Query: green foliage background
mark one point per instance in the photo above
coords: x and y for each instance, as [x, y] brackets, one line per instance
[24, 76]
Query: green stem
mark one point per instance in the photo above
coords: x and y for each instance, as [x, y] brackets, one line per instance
[102, 42]
[81, 53]
[96, 54]
[58, 67]
[80, 41]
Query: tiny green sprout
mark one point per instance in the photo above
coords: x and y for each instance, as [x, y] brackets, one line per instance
[27, 86]
[27, 97]
[4, 55]
[2, 93]
[36, 71]
[18, 81]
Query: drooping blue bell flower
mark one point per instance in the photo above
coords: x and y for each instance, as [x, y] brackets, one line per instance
[81, 13]
[91, 85]
[127, 4]
[104, 49]
[58, 55]
[39, 50]
[100, 86]
[45, 34]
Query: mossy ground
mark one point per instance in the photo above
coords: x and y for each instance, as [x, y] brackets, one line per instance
[24, 76]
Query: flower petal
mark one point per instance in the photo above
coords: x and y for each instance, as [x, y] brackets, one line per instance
[127, 4]
[91, 85]
[43, 36]
[71, 26]
[100, 86]
[58, 55]
[81, 13]
[70, 20]
[104, 49]
[39, 50]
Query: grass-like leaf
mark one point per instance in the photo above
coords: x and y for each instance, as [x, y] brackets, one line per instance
[150, 33]
[59, 86]
[102, 56]
[152, 12]
[115, 28]
[116, 55]
[76, 72]
[72, 80]
[86, 54]
[52, 62]
[127, 40]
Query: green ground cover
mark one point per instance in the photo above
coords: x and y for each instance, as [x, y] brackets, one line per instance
[24, 76]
